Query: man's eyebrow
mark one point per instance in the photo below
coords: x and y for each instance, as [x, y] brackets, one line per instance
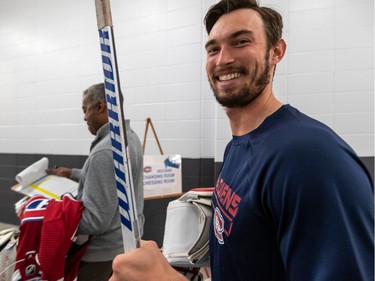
[241, 32]
[231, 37]
[209, 43]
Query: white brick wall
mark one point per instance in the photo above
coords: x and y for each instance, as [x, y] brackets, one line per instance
[49, 53]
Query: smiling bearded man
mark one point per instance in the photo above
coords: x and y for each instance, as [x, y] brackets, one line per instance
[247, 93]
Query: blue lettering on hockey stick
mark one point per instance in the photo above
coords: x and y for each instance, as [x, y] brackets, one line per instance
[116, 133]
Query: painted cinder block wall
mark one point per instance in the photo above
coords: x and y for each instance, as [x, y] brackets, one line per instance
[49, 53]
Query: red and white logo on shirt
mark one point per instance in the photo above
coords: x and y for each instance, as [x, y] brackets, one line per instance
[218, 226]
[226, 208]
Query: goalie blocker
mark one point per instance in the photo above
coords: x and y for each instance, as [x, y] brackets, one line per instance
[186, 234]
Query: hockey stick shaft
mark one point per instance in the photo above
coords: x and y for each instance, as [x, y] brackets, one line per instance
[123, 175]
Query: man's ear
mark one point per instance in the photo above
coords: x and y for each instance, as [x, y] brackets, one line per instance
[278, 51]
[102, 106]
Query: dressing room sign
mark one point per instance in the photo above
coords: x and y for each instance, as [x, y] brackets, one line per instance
[161, 175]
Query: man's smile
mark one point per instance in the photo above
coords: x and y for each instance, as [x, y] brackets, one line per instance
[228, 77]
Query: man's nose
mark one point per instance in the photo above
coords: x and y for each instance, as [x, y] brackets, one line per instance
[225, 57]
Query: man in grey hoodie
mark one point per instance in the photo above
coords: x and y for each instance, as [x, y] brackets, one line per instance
[97, 189]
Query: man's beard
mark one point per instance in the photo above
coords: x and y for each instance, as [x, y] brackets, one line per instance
[246, 94]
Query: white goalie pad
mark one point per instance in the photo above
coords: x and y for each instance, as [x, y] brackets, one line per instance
[187, 227]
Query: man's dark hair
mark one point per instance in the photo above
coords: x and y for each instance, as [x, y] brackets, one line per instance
[272, 20]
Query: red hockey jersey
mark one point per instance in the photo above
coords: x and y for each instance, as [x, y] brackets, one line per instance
[46, 250]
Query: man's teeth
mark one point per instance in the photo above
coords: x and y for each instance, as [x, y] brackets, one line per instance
[229, 76]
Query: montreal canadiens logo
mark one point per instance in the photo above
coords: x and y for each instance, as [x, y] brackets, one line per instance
[218, 226]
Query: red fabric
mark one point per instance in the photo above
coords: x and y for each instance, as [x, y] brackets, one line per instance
[46, 232]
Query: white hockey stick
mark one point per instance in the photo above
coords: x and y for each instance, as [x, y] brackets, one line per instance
[123, 175]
